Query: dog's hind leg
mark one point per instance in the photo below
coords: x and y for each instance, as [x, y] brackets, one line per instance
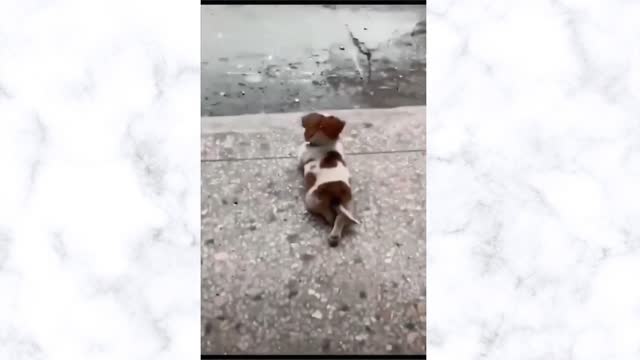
[336, 232]
[342, 219]
[316, 206]
[328, 215]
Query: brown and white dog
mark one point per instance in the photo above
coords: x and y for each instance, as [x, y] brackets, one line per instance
[326, 177]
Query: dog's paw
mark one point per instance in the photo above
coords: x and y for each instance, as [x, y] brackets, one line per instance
[334, 240]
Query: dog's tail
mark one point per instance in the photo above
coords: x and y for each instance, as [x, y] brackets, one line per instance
[340, 209]
[346, 213]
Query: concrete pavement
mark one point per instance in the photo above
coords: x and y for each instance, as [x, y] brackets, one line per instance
[270, 283]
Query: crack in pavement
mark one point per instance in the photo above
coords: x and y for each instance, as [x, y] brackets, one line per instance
[363, 49]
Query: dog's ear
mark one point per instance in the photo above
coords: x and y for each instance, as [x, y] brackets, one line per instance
[311, 120]
[311, 124]
[331, 126]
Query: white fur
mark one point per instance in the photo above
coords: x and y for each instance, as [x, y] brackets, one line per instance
[312, 156]
[309, 158]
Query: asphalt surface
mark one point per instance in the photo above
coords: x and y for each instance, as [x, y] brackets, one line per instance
[307, 57]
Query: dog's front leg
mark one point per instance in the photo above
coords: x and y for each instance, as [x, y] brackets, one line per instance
[302, 155]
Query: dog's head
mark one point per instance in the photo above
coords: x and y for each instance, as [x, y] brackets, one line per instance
[321, 129]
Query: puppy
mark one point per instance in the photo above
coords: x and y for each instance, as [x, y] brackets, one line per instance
[326, 177]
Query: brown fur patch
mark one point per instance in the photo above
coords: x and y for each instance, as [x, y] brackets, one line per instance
[311, 124]
[309, 181]
[331, 126]
[331, 160]
[333, 193]
[311, 119]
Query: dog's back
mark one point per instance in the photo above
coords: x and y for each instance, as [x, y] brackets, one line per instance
[326, 176]
[331, 178]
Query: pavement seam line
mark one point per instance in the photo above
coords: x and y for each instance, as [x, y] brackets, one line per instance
[293, 157]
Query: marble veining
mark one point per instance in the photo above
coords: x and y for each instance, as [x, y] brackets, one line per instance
[533, 166]
[100, 184]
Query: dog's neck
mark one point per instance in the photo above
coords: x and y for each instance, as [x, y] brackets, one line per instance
[327, 144]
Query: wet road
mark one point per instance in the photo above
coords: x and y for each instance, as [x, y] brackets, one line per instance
[310, 57]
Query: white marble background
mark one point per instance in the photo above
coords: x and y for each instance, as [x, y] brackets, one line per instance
[532, 182]
[99, 179]
[533, 179]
